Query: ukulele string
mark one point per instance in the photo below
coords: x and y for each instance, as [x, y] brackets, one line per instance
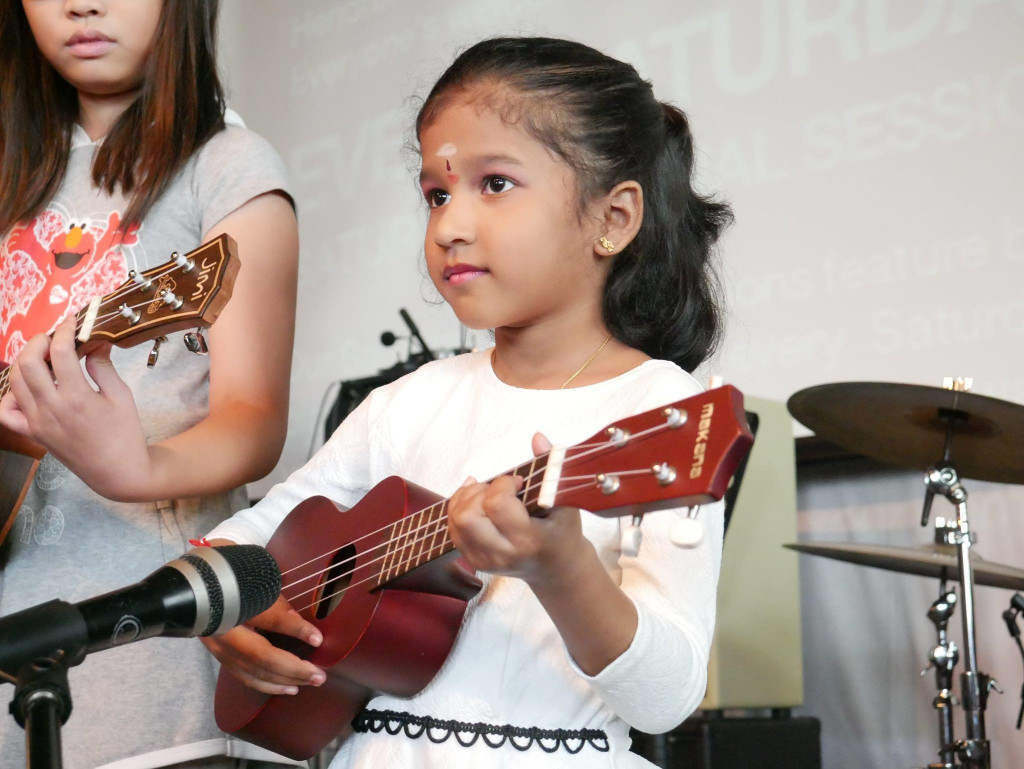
[526, 478]
[591, 449]
[435, 526]
[569, 459]
[429, 522]
[439, 528]
[102, 319]
[125, 290]
[98, 323]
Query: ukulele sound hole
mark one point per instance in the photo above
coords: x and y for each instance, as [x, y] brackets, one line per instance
[335, 581]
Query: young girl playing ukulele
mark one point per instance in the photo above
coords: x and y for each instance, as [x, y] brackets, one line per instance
[562, 215]
[114, 153]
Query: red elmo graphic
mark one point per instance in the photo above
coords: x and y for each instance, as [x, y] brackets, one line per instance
[50, 267]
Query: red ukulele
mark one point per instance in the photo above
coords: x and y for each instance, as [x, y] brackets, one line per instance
[387, 589]
[186, 292]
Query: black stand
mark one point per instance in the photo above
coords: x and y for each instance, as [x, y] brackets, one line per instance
[41, 705]
[37, 664]
[712, 740]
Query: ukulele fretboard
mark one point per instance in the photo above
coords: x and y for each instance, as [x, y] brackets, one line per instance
[422, 536]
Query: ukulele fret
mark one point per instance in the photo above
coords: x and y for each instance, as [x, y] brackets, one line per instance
[389, 552]
[528, 484]
[419, 540]
[439, 528]
[407, 537]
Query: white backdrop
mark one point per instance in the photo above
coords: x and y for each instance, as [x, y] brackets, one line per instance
[871, 151]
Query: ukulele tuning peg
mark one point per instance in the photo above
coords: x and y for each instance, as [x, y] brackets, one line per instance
[629, 540]
[154, 354]
[687, 531]
[196, 342]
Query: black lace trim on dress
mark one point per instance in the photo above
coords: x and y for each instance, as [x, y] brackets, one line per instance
[494, 736]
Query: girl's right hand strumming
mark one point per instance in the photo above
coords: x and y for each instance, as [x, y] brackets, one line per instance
[257, 663]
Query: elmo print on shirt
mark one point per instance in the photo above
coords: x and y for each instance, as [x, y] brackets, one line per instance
[52, 266]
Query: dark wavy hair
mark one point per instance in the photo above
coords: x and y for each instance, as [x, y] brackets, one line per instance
[662, 295]
[180, 105]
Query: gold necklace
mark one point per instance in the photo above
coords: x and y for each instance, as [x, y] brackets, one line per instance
[587, 362]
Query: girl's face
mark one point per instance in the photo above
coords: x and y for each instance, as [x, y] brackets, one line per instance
[506, 244]
[99, 46]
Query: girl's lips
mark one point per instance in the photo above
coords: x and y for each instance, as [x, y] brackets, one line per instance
[89, 45]
[91, 49]
[462, 273]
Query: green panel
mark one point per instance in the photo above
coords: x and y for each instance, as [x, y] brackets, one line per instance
[756, 661]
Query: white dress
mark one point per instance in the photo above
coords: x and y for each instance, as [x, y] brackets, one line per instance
[454, 418]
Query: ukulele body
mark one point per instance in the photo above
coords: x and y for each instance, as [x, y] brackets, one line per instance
[391, 640]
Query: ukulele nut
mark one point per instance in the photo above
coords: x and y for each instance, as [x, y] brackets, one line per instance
[664, 473]
[127, 312]
[608, 484]
[618, 436]
[675, 417]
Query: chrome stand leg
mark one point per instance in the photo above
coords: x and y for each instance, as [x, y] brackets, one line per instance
[974, 749]
[943, 657]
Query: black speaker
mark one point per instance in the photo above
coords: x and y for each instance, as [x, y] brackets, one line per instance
[716, 742]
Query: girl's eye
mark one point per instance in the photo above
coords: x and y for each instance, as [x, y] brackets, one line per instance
[437, 198]
[495, 185]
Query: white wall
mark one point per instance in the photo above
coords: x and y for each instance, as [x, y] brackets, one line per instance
[870, 148]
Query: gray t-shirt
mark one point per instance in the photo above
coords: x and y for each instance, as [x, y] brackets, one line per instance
[68, 542]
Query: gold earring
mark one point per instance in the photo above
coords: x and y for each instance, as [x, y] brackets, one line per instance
[606, 244]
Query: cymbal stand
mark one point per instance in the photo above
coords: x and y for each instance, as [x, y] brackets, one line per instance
[943, 479]
[943, 657]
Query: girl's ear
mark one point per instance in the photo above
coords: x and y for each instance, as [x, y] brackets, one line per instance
[623, 212]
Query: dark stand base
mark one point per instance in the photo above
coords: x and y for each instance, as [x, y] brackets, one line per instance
[705, 742]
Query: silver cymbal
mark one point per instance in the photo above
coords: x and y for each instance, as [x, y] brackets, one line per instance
[938, 561]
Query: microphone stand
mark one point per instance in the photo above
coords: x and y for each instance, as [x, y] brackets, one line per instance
[42, 695]
[41, 705]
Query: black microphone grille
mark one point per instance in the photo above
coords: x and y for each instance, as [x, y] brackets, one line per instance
[238, 582]
[258, 576]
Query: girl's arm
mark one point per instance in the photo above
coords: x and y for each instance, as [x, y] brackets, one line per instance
[98, 434]
[492, 529]
[643, 645]
[257, 663]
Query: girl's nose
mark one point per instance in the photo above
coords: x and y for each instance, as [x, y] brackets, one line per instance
[454, 223]
[80, 9]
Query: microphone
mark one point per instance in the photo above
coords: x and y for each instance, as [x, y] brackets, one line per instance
[1010, 618]
[427, 352]
[207, 591]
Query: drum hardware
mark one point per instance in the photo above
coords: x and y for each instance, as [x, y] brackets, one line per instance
[1010, 617]
[943, 479]
[943, 657]
[938, 561]
[909, 425]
